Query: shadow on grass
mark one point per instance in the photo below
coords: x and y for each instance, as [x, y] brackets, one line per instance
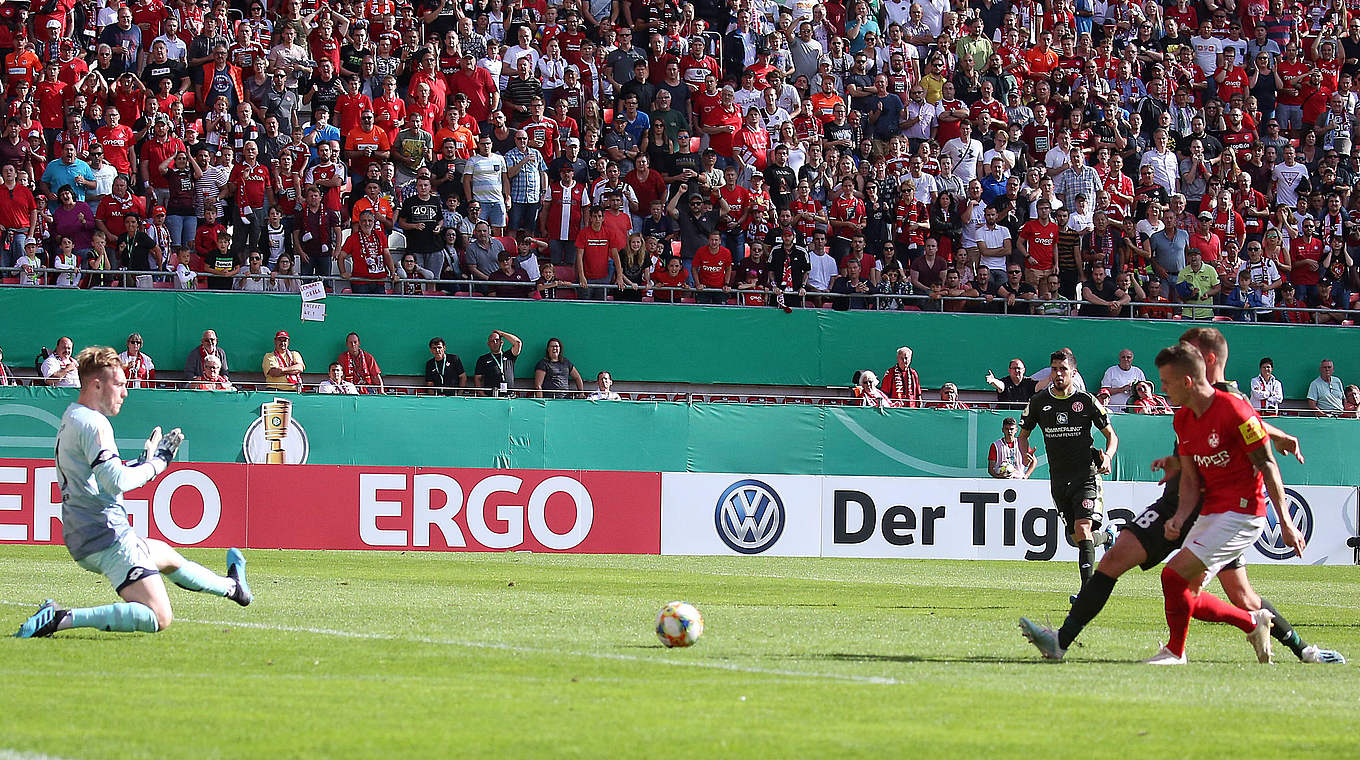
[912, 658]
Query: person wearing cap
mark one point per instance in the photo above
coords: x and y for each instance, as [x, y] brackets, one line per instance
[282, 367]
[1204, 239]
[29, 263]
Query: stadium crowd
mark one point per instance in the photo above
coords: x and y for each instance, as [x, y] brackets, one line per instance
[1104, 157]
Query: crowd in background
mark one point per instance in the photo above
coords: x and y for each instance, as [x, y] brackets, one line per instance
[1103, 157]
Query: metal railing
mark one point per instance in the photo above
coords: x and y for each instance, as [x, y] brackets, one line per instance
[163, 279]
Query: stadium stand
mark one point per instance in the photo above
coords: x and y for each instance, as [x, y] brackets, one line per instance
[1111, 160]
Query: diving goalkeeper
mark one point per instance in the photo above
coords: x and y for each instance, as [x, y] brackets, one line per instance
[95, 526]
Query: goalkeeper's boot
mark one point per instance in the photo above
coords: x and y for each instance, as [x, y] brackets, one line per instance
[236, 570]
[1043, 638]
[42, 623]
[1312, 653]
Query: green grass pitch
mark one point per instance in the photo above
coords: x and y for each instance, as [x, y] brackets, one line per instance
[514, 655]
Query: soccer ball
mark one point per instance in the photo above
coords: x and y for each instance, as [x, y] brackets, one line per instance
[679, 624]
[1006, 471]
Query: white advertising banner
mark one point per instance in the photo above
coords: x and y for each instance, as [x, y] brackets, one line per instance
[941, 518]
[779, 515]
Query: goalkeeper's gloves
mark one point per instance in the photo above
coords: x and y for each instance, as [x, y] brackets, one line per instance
[159, 450]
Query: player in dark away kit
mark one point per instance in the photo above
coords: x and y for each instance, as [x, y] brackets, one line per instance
[1067, 417]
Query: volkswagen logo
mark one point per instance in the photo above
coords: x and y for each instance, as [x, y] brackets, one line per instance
[749, 516]
[1271, 542]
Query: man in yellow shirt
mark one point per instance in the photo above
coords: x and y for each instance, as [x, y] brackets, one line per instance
[1198, 284]
[283, 368]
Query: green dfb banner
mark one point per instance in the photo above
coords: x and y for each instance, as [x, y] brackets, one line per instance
[643, 342]
[583, 435]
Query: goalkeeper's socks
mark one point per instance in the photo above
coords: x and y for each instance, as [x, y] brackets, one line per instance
[195, 577]
[124, 617]
[1089, 603]
[1284, 632]
[1086, 559]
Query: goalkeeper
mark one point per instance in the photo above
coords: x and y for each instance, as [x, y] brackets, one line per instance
[95, 526]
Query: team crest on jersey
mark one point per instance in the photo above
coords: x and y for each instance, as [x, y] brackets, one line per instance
[1062, 418]
[1087, 503]
[1077, 406]
[1213, 439]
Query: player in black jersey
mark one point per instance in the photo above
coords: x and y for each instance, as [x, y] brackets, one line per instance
[1067, 417]
[1143, 542]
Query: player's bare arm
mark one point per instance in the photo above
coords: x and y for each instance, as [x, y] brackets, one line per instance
[1283, 442]
[1169, 466]
[1111, 446]
[1264, 461]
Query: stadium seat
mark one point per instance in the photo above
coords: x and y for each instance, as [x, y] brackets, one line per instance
[1221, 318]
[166, 285]
[694, 143]
[608, 117]
[396, 242]
[511, 246]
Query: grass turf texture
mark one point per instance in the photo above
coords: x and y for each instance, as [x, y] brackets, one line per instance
[382, 654]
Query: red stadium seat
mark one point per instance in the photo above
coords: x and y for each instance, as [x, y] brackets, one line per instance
[511, 246]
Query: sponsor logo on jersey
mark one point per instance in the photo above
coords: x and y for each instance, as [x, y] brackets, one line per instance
[1271, 540]
[1047, 407]
[1062, 418]
[749, 516]
[1251, 431]
[1219, 459]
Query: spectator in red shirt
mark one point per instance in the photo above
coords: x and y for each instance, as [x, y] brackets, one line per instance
[1038, 242]
[673, 277]
[597, 255]
[360, 367]
[713, 271]
[252, 186]
[901, 383]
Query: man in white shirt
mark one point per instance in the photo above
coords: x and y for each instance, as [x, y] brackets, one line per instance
[821, 266]
[965, 152]
[994, 247]
[1286, 178]
[1266, 391]
[336, 382]
[1120, 379]
[1207, 48]
[1165, 163]
[59, 369]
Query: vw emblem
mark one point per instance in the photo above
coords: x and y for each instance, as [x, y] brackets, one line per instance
[749, 516]
[1271, 543]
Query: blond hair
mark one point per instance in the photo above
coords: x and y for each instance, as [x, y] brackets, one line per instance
[93, 360]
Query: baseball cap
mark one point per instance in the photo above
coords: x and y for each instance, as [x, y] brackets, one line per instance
[157, 211]
[573, 141]
[280, 334]
[1206, 215]
[53, 24]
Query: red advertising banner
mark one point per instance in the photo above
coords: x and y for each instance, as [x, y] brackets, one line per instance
[333, 507]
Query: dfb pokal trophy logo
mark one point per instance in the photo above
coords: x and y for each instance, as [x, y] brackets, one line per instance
[275, 437]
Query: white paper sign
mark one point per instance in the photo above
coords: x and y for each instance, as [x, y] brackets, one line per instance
[313, 311]
[312, 291]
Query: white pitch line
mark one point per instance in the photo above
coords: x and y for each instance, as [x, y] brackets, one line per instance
[525, 650]
[539, 650]
[12, 754]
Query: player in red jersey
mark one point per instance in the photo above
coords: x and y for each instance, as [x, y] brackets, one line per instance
[1225, 463]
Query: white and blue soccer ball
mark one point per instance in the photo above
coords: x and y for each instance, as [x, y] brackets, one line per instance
[679, 624]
